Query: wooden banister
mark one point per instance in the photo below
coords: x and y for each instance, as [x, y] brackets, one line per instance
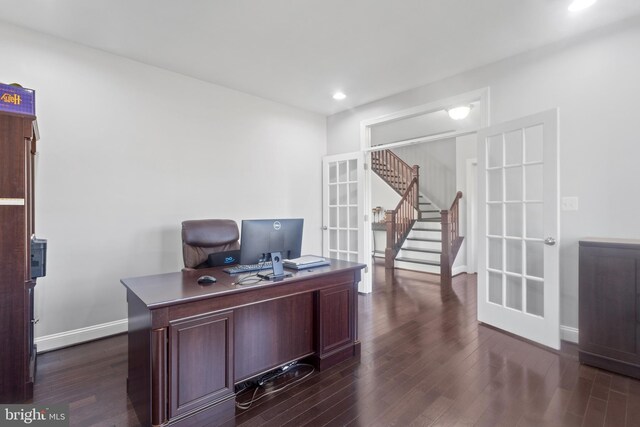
[393, 170]
[451, 239]
[404, 179]
[399, 222]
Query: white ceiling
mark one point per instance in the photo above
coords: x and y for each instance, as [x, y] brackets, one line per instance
[299, 52]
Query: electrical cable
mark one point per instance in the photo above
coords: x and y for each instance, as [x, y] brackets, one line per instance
[243, 280]
[247, 405]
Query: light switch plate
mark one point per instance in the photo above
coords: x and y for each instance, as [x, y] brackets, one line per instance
[569, 204]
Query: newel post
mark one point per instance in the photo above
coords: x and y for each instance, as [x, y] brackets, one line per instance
[389, 251]
[415, 174]
[445, 264]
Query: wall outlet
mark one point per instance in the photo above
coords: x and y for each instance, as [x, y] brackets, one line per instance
[569, 204]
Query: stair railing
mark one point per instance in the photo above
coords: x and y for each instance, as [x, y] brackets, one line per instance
[400, 220]
[393, 170]
[451, 239]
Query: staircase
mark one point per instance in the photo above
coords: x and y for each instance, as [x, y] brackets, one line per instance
[420, 236]
[422, 249]
[404, 180]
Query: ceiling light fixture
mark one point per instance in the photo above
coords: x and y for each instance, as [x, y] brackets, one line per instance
[459, 113]
[577, 5]
[339, 96]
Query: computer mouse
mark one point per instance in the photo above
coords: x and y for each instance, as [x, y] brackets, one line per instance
[206, 280]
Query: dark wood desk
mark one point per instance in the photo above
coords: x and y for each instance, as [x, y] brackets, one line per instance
[190, 344]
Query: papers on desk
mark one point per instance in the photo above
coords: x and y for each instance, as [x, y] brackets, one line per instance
[306, 261]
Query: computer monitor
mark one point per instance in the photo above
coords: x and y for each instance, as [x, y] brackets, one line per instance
[271, 240]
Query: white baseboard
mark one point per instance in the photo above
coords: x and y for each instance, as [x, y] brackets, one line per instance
[567, 333]
[458, 270]
[77, 336]
[454, 272]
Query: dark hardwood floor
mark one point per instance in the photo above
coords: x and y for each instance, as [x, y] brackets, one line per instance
[425, 362]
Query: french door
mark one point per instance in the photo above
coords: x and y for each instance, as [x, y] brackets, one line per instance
[518, 254]
[344, 235]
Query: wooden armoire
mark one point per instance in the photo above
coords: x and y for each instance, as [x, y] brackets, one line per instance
[609, 316]
[18, 136]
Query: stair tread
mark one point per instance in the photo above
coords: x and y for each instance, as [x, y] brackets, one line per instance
[427, 251]
[418, 239]
[426, 229]
[431, 211]
[419, 261]
[434, 219]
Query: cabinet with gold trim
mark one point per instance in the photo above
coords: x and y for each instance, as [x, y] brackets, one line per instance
[18, 135]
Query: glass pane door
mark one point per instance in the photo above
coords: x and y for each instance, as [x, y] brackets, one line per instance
[518, 286]
[343, 210]
[344, 221]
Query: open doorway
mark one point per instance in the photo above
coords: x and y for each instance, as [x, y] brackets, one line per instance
[427, 137]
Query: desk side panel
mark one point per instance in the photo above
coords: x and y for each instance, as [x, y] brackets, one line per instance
[139, 379]
[335, 309]
[337, 323]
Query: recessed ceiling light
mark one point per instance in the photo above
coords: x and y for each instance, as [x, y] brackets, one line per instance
[577, 5]
[339, 96]
[459, 113]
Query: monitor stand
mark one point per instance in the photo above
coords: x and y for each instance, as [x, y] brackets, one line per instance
[278, 268]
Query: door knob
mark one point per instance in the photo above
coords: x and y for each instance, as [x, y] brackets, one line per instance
[550, 241]
[324, 227]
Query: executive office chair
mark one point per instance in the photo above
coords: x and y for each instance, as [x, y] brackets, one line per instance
[205, 236]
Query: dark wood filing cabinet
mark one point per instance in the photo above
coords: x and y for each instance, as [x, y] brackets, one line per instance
[609, 304]
[189, 345]
[18, 135]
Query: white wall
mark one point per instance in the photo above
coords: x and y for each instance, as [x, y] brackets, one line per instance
[382, 195]
[594, 82]
[128, 151]
[466, 148]
[435, 122]
[437, 161]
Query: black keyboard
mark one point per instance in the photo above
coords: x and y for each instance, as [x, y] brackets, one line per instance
[247, 268]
